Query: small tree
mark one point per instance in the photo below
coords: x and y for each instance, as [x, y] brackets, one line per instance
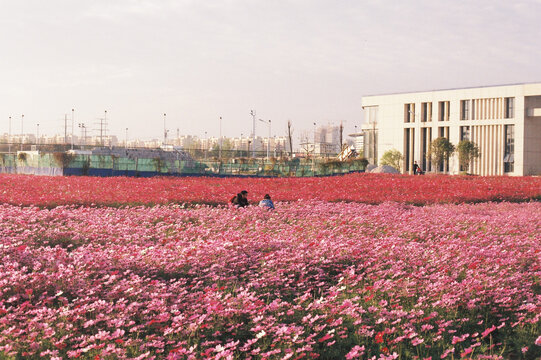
[441, 150]
[467, 152]
[392, 158]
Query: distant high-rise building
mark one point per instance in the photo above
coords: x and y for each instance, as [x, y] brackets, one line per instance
[327, 140]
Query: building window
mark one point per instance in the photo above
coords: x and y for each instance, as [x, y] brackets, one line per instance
[464, 133]
[370, 149]
[443, 107]
[407, 150]
[426, 140]
[509, 107]
[509, 155]
[426, 111]
[409, 113]
[464, 109]
[442, 131]
[372, 112]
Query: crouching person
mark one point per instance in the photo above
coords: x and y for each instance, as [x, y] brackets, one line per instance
[266, 203]
[241, 199]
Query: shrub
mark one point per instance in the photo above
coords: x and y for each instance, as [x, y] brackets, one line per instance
[392, 158]
[63, 159]
[22, 156]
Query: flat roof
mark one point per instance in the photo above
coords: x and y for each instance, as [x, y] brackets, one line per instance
[450, 89]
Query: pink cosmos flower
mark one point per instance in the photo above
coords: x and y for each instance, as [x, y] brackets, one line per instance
[356, 352]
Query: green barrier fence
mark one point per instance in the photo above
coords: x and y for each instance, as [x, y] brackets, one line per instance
[110, 165]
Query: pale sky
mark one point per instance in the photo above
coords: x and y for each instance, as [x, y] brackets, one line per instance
[196, 60]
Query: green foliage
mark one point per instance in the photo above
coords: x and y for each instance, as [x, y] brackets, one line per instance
[467, 152]
[63, 159]
[441, 150]
[392, 158]
[22, 156]
[227, 147]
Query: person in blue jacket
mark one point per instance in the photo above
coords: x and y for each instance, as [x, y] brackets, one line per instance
[267, 202]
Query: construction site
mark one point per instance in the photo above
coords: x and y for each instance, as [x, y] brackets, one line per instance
[173, 161]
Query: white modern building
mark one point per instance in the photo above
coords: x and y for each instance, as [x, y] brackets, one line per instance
[358, 141]
[503, 121]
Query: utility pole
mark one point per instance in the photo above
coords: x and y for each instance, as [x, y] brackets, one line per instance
[102, 128]
[252, 112]
[289, 135]
[341, 135]
[126, 144]
[37, 137]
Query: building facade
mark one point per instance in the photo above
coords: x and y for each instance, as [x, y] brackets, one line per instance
[503, 121]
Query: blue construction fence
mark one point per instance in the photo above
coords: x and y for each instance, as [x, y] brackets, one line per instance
[65, 164]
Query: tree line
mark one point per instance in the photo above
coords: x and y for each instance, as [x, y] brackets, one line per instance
[440, 150]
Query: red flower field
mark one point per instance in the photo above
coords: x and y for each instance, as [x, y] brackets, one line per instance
[365, 188]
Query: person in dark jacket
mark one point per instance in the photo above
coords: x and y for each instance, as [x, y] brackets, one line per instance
[415, 168]
[241, 199]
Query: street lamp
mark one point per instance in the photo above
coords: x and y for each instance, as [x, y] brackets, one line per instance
[314, 154]
[164, 130]
[205, 145]
[105, 124]
[252, 112]
[126, 144]
[83, 134]
[37, 136]
[22, 131]
[220, 150]
[268, 141]
[9, 136]
[315, 140]
[72, 126]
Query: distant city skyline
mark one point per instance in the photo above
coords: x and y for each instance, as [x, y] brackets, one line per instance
[299, 60]
[325, 140]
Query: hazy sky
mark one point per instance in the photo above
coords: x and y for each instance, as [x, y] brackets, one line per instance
[196, 60]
